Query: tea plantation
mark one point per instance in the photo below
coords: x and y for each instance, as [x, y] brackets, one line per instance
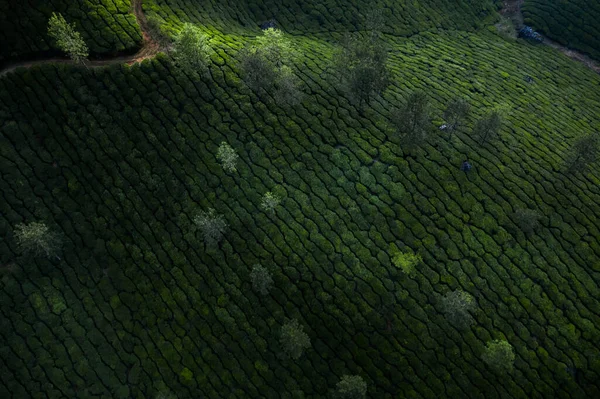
[106, 25]
[119, 161]
[573, 23]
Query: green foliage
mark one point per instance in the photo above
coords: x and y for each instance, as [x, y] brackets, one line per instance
[456, 112]
[37, 239]
[265, 67]
[67, 38]
[488, 127]
[269, 202]
[106, 26]
[262, 279]
[293, 339]
[274, 47]
[227, 156]
[499, 355]
[352, 387]
[456, 306]
[527, 219]
[191, 51]
[583, 152]
[212, 226]
[412, 120]
[138, 292]
[288, 87]
[360, 66]
[407, 262]
[572, 23]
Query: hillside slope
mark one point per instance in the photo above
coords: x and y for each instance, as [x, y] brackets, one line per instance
[107, 26]
[572, 23]
[120, 160]
[400, 17]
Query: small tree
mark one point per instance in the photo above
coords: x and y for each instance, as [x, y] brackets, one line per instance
[293, 340]
[527, 219]
[269, 202]
[191, 50]
[456, 112]
[499, 355]
[287, 87]
[583, 152]
[212, 225]
[412, 120]
[488, 127]
[456, 306]
[227, 156]
[37, 239]
[67, 38]
[261, 278]
[407, 262]
[274, 46]
[352, 387]
[361, 67]
[261, 64]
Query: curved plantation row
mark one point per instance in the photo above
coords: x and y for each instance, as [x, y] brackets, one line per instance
[402, 17]
[107, 26]
[573, 23]
[121, 160]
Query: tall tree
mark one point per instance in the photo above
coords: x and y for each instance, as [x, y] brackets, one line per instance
[413, 118]
[499, 355]
[456, 112]
[583, 152]
[67, 38]
[265, 66]
[488, 126]
[293, 339]
[212, 226]
[456, 306]
[361, 66]
[191, 51]
[37, 239]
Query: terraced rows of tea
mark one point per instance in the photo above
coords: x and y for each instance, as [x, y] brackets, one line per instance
[573, 23]
[107, 26]
[400, 17]
[120, 160]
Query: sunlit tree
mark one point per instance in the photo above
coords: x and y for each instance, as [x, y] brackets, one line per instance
[191, 51]
[67, 38]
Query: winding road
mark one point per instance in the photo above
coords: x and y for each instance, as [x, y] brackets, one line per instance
[150, 46]
[149, 49]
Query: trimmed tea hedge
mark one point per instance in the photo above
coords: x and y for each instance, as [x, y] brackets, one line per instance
[400, 17]
[107, 26]
[572, 23]
[120, 160]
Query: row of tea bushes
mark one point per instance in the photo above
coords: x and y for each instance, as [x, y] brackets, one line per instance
[573, 23]
[121, 159]
[107, 26]
[402, 17]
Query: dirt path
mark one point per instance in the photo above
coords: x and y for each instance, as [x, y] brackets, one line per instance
[149, 49]
[512, 9]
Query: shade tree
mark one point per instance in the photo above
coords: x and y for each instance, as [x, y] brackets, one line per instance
[351, 387]
[261, 278]
[293, 339]
[67, 38]
[212, 225]
[191, 52]
[412, 119]
[37, 239]
[360, 67]
[499, 355]
[456, 112]
[488, 126]
[457, 306]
